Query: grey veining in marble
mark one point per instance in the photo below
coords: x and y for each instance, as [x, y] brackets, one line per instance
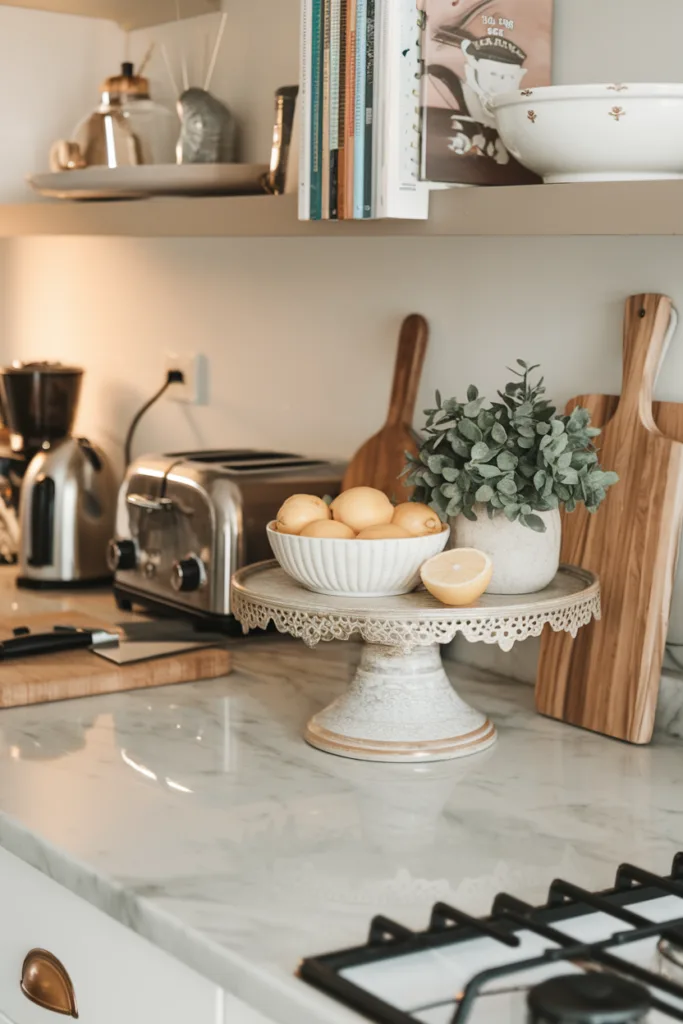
[197, 816]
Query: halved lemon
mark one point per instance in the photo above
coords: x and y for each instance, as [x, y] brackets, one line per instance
[458, 577]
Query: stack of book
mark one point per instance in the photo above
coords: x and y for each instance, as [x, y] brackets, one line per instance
[360, 99]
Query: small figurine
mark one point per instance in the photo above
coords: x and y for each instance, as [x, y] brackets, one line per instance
[208, 133]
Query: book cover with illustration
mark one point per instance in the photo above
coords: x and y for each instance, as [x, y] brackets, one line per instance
[472, 51]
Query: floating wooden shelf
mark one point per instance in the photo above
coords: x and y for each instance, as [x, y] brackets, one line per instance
[623, 208]
[130, 14]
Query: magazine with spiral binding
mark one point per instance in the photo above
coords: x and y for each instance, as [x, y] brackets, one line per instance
[399, 192]
[471, 53]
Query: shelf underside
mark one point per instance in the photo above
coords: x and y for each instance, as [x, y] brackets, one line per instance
[623, 208]
[130, 14]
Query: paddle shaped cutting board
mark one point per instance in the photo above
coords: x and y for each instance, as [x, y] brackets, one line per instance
[381, 460]
[607, 679]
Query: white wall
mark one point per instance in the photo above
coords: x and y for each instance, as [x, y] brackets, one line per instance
[300, 334]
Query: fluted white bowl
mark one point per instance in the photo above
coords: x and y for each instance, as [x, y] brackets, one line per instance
[355, 568]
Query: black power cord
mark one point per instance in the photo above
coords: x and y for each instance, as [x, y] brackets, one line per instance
[172, 377]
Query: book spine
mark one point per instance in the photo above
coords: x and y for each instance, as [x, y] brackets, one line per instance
[369, 114]
[341, 154]
[359, 112]
[335, 42]
[305, 109]
[316, 110]
[327, 13]
[350, 128]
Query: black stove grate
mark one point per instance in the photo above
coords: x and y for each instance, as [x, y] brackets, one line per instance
[448, 926]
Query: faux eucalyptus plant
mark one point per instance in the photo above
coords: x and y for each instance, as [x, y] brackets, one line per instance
[515, 456]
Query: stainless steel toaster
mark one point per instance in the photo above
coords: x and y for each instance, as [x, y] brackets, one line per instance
[186, 522]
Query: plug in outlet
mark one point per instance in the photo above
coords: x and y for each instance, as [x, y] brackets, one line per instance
[193, 369]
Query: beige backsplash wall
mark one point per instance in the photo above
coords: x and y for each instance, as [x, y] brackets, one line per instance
[300, 334]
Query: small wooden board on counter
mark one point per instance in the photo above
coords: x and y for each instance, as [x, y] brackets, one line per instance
[52, 677]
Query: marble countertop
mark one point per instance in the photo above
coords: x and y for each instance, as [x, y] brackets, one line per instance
[197, 816]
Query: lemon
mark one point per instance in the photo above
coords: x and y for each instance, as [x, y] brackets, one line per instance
[360, 507]
[328, 528]
[419, 520]
[458, 577]
[389, 531]
[300, 510]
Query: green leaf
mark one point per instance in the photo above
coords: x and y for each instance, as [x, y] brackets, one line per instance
[520, 362]
[470, 430]
[524, 410]
[545, 443]
[472, 393]
[557, 427]
[526, 431]
[507, 462]
[472, 409]
[480, 452]
[469, 514]
[564, 461]
[451, 491]
[512, 512]
[484, 494]
[497, 502]
[454, 508]
[438, 399]
[489, 472]
[498, 433]
[542, 429]
[485, 419]
[507, 486]
[534, 523]
[610, 479]
[450, 474]
[527, 443]
[540, 479]
[570, 477]
[459, 446]
[559, 444]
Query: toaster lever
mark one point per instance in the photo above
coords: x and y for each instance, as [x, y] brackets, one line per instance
[150, 504]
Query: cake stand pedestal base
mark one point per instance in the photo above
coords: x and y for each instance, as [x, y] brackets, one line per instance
[400, 706]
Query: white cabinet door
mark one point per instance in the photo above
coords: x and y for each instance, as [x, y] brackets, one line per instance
[118, 977]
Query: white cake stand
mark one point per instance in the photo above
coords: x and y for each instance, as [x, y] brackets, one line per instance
[401, 705]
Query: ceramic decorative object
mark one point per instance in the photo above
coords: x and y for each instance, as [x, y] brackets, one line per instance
[617, 132]
[524, 561]
[355, 568]
[208, 133]
[401, 706]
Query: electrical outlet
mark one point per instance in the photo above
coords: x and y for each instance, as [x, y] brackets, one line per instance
[193, 368]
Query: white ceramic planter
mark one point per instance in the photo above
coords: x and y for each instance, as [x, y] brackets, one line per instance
[524, 561]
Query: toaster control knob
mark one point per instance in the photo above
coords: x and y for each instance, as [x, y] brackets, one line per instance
[188, 574]
[121, 555]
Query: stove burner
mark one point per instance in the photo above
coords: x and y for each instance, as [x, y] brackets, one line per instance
[589, 999]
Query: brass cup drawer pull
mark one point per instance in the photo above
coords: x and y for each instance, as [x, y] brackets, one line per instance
[45, 981]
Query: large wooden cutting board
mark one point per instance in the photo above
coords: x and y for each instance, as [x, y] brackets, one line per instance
[54, 677]
[381, 460]
[607, 679]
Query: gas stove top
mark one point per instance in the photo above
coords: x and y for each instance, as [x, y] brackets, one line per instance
[583, 958]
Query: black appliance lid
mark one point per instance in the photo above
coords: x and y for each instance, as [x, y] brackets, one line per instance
[48, 369]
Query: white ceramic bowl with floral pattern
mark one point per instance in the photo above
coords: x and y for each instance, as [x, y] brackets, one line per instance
[355, 568]
[618, 132]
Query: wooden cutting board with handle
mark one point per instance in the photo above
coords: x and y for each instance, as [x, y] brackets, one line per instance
[381, 460]
[51, 677]
[607, 679]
